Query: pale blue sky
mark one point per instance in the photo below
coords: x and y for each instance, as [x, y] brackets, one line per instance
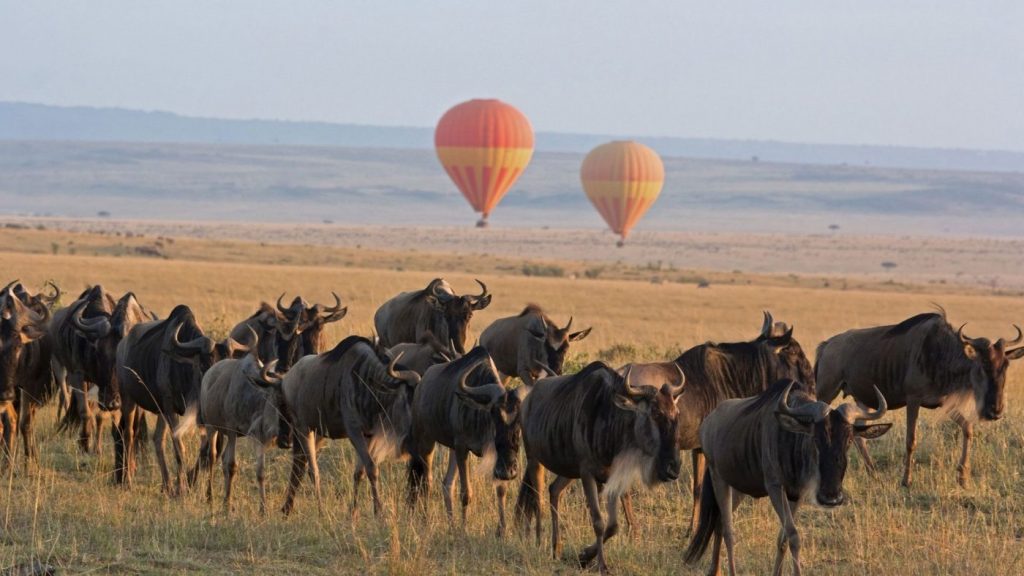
[925, 73]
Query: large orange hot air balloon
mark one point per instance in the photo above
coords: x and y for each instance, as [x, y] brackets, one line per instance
[622, 180]
[484, 145]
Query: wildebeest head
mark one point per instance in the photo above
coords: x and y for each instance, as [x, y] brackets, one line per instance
[988, 375]
[19, 326]
[104, 331]
[832, 432]
[455, 311]
[314, 318]
[795, 363]
[189, 347]
[289, 330]
[556, 341]
[488, 394]
[231, 348]
[656, 422]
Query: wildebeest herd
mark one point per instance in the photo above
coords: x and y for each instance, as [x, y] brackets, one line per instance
[755, 415]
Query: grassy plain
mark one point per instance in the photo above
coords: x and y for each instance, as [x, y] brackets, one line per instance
[65, 512]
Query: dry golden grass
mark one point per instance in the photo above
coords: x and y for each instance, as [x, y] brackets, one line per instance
[66, 513]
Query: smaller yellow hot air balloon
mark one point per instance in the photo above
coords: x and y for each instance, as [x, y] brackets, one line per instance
[622, 179]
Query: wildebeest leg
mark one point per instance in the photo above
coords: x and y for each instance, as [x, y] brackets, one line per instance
[28, 412]
[363, 452]
[300, 457]
[611, 529]
[697, 457]
[964, 467]
[862, 448]
[179, 455]
[159, 437]
[558, 485]
[357, 480]
[10, 416]
[723, 494]
[97, 445]
[261, 478]
[85, 414]
[230, 467]
[499, 492]
[448, 485]
[314, 469]
[597, 522]
[627, 511]
[211, 446]
[124, 444]
[462, 461]
[788, 533]
[912, 410]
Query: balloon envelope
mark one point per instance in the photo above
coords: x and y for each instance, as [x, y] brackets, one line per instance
[622, 180]
[484, 145]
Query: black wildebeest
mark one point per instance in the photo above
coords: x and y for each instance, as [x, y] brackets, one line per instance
[780, 444]
[24, 364]
[239, 397]
[160, 365]
[354, 392]
[920, 363]
[463, 405]
[287, 334]
[85, 339]
[436, 309]
[716, 372]
[599, 427]
[521, 345]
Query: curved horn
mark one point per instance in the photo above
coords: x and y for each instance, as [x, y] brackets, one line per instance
[483, 289]
[195, 345]
[280, 308]
[855, 412]
[675, 391]
[97, 327]
[569, 325]
[336, 307]
[9, 285]
[766, 327]
[50, 300]
[963, 337]
[635, 393]
[410, 377]
[1018, 339]
[545, 370]
[486, 395]
[815, 411]
[435, 290]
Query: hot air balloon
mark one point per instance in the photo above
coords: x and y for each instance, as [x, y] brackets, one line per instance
[622, 179]
[484, 145]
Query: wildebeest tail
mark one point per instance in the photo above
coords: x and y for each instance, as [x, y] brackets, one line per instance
[189, 421]
[528, 501]
[708, 524]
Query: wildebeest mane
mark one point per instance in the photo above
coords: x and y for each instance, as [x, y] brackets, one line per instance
[715, 372]
[531, 308]
[913, 322]
[771, 395]
[335, 354]
[472, 357]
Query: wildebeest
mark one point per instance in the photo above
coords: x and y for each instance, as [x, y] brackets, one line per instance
[239, 397]
[714, 372]
[289, 333]
[435, 309]
[24, 364]
[463, 405]
[520, 345]
[781, 444]
[85, 339]
[599, 427]
[423, 354]
[160, 365]
[352, 391]
[920, 363]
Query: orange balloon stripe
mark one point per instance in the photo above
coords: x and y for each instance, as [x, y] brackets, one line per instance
[489, 123]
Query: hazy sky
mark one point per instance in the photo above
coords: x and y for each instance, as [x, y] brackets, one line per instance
[928, 73]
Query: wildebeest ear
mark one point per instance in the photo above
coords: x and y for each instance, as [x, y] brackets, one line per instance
[1014, 354]
[791, 424]
[871, 431]
[627, 404]
[577, 336]
[970, 352]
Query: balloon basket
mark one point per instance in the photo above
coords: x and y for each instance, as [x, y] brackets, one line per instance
[620, 243]
[482, 223]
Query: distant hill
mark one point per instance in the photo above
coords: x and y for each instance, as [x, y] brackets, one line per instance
[26, 121]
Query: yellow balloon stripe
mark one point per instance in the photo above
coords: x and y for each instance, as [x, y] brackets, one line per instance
[480, 156]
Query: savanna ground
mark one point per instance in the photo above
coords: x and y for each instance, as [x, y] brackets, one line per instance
[66, 513]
